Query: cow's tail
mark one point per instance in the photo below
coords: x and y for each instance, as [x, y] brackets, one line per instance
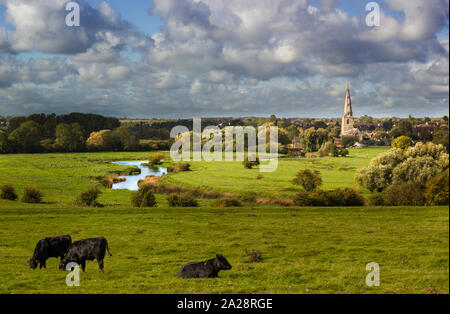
[107, 247]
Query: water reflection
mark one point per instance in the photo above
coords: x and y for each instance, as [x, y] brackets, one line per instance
[132, 181]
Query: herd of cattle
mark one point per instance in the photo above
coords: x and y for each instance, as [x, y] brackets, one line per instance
[95, 249]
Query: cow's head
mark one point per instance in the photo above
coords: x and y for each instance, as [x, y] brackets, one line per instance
[222, 262]
[33, 263]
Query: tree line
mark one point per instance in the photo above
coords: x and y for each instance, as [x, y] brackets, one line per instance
[75, 132]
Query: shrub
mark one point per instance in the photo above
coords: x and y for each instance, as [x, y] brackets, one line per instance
[408, 194]
[248, 164]
[227, 202]
[336, 198]
[182, 200]
[254, 256]
[274, 201]
[377, 199]
[110, 180]
[89, 198]
[32, 195]
[7, 192]
[302, 198]
[308, 179]
[144, 197]
[320, 198]
[184, 167]
[179, 168]
[437, 190]
[156, 159]
[353, 198]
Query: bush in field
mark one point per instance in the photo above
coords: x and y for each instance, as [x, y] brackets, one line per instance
[144, 197]
[249, 164]
[302, 198]
[377, 199]
[7, 192]
[179, 168]
[320, 198]
[353, 198]
[182, 200]
[156, 159]
[32, 195]
[184, 167]
[227, 202]
[308, 179]
[437, 190]
[89, 198]
[408, 194]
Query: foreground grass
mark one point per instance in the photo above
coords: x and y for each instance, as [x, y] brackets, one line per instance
[306, 250]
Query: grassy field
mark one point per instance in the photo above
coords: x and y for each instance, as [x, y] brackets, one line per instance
[61, 177]
[305, 250]
[231, 177]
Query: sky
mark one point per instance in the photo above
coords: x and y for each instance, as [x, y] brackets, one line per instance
[212, 58]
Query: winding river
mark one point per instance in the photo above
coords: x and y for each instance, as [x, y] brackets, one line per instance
[132, 181]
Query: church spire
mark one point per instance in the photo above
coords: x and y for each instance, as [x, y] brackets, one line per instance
[347, 116]
[348, 102]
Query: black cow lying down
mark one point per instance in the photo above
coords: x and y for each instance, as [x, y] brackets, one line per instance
[207, 269]
[86, 250]
[49, 247]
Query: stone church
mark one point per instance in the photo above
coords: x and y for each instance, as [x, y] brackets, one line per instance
[348, 122]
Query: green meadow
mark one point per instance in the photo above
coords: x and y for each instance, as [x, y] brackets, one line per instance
[305, 250]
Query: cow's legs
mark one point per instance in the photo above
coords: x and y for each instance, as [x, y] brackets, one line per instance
[100, 265]
[83, 265]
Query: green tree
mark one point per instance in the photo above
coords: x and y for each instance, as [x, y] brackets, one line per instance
[313, 139]
[437, 190]
[348, 141]
[402, 142]
[5, 145]
[124, 140]
[70, 137]
[441, 137]
[26, 138]
[100, 141]
[309, 180]
[415, 165]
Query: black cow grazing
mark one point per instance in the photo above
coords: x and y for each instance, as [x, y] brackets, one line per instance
[207, 269]
[49, 247]
[86, 250]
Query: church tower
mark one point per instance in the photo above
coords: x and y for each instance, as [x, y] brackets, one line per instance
[347, 116]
